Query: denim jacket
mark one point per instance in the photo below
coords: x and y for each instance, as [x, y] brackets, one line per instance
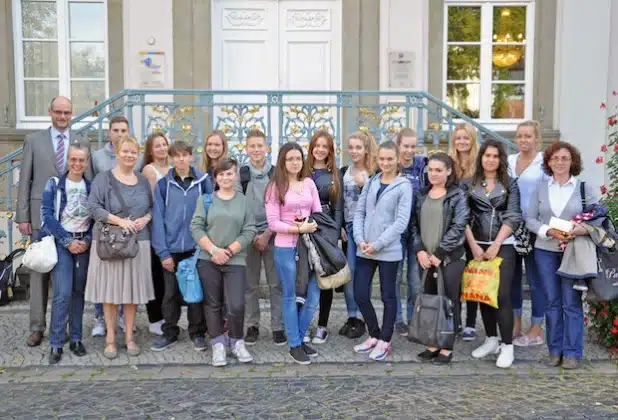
[49, 224]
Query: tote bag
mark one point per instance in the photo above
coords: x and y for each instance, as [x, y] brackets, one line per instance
[432, 323]
[481, 281]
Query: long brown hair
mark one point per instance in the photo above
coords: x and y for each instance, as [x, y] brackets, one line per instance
[465, 169]
[335, 187]
[279, 183]
[207, 163]
[371, 150]
[148, 153]
[502, 174]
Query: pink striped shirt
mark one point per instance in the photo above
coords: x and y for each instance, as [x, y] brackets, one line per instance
[281, 217]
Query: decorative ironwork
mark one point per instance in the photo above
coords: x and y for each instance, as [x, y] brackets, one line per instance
[177, 122]
[383, 121]
[236, 121]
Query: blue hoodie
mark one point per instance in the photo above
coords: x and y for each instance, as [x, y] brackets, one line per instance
[172, 212]
[417, 173]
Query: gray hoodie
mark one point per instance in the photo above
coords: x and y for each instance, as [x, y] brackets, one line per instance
[255, 194]
[381, 222]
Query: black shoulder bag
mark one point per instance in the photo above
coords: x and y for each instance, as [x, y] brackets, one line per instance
[116, 243]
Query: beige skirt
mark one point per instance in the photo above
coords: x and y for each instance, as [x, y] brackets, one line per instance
[120, 282]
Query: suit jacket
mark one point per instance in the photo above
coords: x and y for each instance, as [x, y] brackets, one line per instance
[38, 165]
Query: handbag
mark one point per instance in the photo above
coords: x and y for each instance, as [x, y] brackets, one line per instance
[433, 321]
[116, 243]
[480, 282]
[42, 256]
[189, 280]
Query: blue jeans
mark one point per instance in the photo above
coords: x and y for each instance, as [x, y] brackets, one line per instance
[537, 296]
[295, 322]
[348, 288]
[365, 269]
[564, 318]
[69, 284]
[413, 280]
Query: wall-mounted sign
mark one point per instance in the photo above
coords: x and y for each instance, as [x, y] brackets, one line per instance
[401, 69]
[151, 69]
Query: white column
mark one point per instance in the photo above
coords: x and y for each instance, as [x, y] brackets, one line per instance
[148, 26]
[582, 74]
[404, 27]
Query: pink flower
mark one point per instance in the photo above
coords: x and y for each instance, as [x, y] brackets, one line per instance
[603, 105]
[611, 121]
[603, 191]
[614, 330]
[616, 147]
[604, 148]
[599, 159]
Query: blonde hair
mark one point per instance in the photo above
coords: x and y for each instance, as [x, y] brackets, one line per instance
[371, 150]
[464, 168]
[536, 126]
[121, 142]
[207, 163]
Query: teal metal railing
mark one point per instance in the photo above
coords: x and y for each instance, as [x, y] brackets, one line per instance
[282, 115]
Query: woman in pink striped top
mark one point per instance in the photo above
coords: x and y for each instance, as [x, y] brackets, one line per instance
[291, 197]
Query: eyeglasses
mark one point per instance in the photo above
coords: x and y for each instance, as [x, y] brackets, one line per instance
[561, 159]
[57, 112]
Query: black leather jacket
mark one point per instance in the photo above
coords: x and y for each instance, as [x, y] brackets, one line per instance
[455, 219]
[488, 214]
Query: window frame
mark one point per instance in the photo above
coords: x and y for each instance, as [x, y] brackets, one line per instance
[486, 50]
[64, 41]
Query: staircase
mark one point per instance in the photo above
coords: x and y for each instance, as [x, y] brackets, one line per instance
[283, 115]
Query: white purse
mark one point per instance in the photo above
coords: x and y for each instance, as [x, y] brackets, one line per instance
[42, 256]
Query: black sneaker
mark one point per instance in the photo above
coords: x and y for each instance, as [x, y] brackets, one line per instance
[442, 359]
[311, 352]
[161, 343]
[252, 336]
[299, 355]
[346, 327]
[357, 330]
[279, 338]
[428, 355]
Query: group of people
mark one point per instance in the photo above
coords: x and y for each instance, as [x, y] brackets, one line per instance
[392, 206]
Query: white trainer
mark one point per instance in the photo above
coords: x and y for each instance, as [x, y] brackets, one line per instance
[219, 357]
[99, 328]
[366, 346]
[155, 328]
[241, 353]
[506, 357]
[490, 346]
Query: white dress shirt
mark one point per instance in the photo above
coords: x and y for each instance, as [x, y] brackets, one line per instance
[559, 196]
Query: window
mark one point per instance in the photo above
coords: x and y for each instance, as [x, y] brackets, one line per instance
[60, 49]
[488, 59]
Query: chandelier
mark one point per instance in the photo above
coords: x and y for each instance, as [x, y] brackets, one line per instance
[507, 55]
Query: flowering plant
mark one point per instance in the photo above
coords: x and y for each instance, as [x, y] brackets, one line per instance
[603, 316]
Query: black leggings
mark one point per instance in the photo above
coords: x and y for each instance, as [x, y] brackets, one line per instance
[326, 301]
[503, 316]
[153, 308]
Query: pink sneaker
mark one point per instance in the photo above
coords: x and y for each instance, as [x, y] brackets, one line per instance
[381, 350]
[366, 346]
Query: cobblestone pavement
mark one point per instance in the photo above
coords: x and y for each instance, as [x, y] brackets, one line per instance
[360, 391]
[14, 352]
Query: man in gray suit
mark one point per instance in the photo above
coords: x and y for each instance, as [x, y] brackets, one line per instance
[45, 156]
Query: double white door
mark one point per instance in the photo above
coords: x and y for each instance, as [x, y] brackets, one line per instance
[275, 45]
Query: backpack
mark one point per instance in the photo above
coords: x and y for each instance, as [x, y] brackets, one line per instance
[245, 176]
[7, 277]
[187, 275]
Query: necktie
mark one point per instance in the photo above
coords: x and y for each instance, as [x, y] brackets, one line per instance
[60, 153]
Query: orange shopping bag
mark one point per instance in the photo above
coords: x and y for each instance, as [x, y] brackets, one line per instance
[481, 280]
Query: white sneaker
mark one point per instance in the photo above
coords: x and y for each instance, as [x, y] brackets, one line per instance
[381, 350]
[241, 353]
[506, 357]
[307, 338]
[366, 346]
[155, 328]
[490, 346]
[320, 336]
[218, 355]
[99, 328]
